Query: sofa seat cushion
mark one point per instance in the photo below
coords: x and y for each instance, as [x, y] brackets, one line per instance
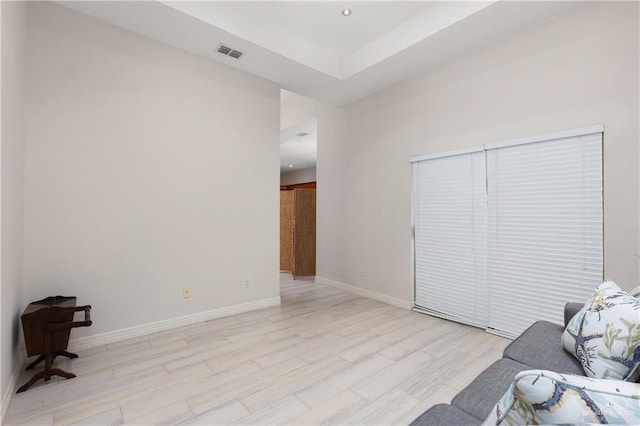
[445, 414]
[540, 347]
[485, 391]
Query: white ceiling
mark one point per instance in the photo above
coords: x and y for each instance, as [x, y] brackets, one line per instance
[297, 149]
[310, 48]
[322, 25]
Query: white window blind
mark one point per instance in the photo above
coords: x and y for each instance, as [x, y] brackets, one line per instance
[450, 236]
[544, 229]
[507, 233]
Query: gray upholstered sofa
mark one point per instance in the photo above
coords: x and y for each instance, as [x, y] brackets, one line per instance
[539, 347]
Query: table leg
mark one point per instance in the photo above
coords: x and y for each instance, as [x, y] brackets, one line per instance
[34, 363]
[46, 375]
[55, 354]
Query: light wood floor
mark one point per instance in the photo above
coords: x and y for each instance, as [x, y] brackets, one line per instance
[323, 357]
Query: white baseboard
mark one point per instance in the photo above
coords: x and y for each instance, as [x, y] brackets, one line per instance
[141, 330]
[13, 385]
[401, 303]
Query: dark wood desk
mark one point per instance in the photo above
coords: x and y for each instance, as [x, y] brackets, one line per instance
[47, 324]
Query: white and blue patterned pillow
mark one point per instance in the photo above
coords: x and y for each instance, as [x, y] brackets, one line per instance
[605, 334]
[545, 397]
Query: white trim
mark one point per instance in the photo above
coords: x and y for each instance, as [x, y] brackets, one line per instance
[141, 330]
[583, 131]
[501, 333]
[13, 385]
[401, 303]
[451, 153]
[433, 313]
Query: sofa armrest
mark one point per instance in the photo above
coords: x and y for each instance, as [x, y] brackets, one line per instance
[570, 310]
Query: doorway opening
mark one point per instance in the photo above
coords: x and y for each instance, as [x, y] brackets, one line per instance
[298, 161]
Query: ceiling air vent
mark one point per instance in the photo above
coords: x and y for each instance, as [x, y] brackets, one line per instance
[302, 134]
[228, 51]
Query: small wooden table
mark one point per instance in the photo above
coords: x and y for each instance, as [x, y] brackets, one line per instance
[47, 324]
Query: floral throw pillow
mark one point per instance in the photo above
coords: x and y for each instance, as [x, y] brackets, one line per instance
[605, 334]
[545, 397]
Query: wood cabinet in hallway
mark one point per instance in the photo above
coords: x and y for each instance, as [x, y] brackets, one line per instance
[298, 231]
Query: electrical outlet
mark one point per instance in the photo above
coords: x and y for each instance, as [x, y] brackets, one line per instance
[247, 284]
[186, 292]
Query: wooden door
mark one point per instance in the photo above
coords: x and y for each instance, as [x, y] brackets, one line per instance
[286, 231]
[304, 232]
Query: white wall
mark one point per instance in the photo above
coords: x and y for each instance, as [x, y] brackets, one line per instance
[577, 70]
[293, 111]
[298, 176]
[331, 216]
[297, 109]
[13, 18]
[129, 144]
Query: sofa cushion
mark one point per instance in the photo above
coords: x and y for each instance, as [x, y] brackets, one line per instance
[444, 414]
[546, 397]
[605, 334]
[570, 310]
[540, 348]
[485, 391]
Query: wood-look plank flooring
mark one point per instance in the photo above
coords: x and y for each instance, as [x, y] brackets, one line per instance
[324, 356]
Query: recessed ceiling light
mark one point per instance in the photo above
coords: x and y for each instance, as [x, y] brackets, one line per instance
[290, 166]
[346, 12]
